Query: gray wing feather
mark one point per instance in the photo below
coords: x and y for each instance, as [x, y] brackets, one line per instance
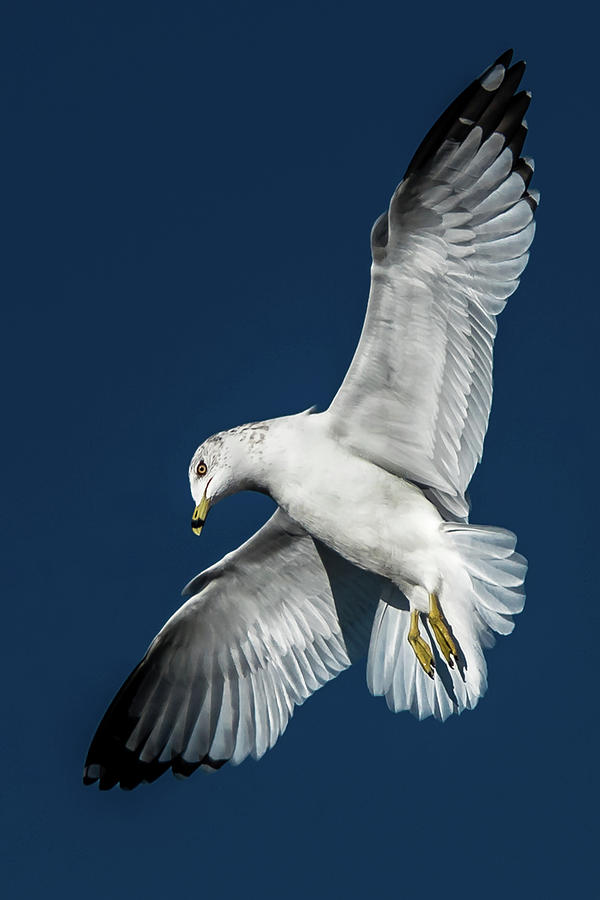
[264, 628]
[446, 256]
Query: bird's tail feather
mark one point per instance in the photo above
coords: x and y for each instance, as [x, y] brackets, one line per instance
[482, 591]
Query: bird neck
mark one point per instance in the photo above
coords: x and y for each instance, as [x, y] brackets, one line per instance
[260, 451]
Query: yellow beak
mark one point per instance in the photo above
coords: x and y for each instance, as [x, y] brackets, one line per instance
[200, 514]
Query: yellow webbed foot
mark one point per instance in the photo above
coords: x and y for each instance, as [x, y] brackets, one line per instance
[420, 647]
[441, 631]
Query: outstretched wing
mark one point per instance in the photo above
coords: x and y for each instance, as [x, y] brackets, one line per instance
[446, 256]
[262, 630]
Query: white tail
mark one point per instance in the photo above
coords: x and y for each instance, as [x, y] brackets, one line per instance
[482, 590]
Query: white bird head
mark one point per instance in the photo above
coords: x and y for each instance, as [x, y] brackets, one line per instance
[222, 465]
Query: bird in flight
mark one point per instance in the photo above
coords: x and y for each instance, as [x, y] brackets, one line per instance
[370, 551]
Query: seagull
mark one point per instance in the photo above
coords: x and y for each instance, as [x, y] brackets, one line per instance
[370, 552]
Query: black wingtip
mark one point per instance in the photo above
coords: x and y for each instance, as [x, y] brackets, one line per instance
[504, 59]
[484, 102]
[110, 762]
[518, 69]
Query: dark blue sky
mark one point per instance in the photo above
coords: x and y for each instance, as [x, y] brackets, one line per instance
[188, 193]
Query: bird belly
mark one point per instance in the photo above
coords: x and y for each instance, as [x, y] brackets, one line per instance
[374, 519]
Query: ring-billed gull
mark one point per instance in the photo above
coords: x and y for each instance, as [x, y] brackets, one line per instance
[370, 550]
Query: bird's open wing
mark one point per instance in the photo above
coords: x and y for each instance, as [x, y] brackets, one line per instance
[446, 256]
[264, 628]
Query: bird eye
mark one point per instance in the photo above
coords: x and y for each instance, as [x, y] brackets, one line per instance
[201, 469]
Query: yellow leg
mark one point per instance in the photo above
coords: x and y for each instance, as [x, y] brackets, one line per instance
[441, 630]
[422, 651]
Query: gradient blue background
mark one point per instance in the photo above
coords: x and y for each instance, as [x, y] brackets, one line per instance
[188, 193]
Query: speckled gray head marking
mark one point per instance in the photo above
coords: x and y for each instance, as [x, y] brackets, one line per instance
[223, 449]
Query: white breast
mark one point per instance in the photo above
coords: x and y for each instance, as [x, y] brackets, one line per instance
[376, 520]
